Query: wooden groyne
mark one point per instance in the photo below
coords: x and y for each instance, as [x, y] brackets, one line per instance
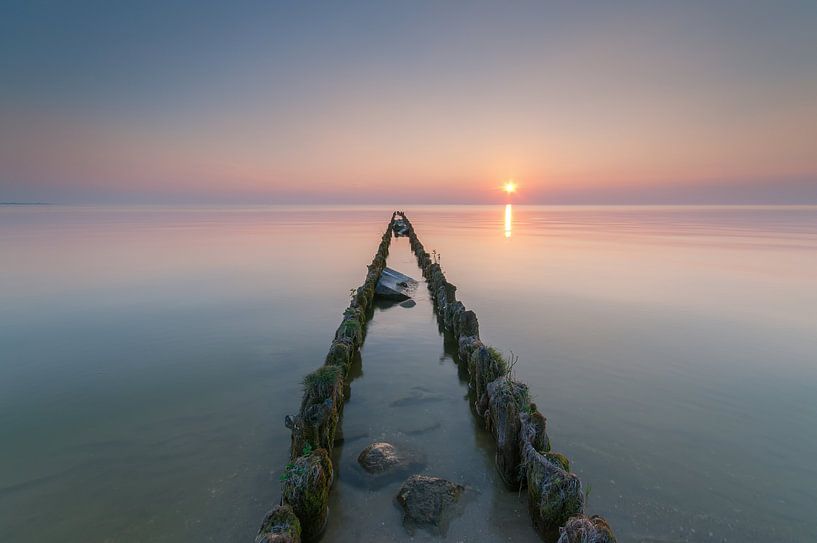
[524, 459]
[307, 478]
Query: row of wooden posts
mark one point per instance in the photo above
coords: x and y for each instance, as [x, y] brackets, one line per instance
[556, 499]
[523, 454]
[307, 478]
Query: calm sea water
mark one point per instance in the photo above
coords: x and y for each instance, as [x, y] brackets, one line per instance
[148, 357]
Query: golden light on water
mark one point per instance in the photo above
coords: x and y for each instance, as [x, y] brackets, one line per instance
[509, 187]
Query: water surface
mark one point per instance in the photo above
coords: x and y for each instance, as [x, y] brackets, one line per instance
[149, 355]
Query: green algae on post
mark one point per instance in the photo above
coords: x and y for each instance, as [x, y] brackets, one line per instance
[306, 483]
[281, 525]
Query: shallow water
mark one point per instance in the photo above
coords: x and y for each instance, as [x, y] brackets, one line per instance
[149, 355]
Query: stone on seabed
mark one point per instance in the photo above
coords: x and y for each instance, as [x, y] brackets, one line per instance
[383, 463]
[379, 457]
[425, 500]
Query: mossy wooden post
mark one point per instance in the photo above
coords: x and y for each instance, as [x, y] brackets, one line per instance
[468, 325]
[485, 366]
[534, 429]
[351, 327]
[305, 485]
[507, 399]
[340, 355]
[554, 494]
[281, 525]
[584, 529]
[315, 425]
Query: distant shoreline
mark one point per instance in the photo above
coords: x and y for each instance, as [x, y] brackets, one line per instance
[26, 204]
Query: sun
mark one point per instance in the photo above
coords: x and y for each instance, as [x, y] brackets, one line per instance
[509, 187]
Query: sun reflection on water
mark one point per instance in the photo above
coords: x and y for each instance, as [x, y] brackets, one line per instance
[508, 220]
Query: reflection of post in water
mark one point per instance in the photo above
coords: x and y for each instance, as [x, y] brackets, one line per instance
[508, 220]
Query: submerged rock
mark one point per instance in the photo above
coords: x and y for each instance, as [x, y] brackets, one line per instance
[408, 303]
[419, 395]
[423, 430]
[305, 487]
[382, 463]
[384, 457]
[281, 525]
[582, 529]
[426, 501]
[378, 457]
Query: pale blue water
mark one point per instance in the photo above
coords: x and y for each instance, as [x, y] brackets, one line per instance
[149, 355]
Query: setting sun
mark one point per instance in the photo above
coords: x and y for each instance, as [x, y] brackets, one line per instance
[509, 187]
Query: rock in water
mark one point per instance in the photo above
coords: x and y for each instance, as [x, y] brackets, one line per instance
[280, 526]
[586, 530]
[383, 463]
[419, 395]
[408, 303]
[426, 501]
[378, 457]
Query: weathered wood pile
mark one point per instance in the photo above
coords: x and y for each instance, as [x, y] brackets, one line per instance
[308, 477]
[556, 499]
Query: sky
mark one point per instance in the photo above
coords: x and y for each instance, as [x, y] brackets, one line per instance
[415, 102]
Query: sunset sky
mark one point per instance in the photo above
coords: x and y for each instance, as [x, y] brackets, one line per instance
[416, 102]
